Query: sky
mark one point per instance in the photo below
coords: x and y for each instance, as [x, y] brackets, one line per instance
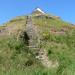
[11, 8]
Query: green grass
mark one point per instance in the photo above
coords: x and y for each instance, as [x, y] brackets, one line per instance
[17, 59]
[59, 47]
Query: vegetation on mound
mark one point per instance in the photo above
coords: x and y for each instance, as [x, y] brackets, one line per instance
[58, 39]
[15, 57]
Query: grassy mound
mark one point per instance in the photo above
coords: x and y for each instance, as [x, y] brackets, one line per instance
[57, 38]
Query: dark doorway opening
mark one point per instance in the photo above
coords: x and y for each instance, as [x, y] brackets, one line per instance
[26, 38]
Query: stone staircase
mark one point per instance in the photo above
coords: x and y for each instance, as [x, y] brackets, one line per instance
[32, 32]
[34, 44]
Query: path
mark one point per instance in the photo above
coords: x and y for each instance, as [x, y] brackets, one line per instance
[34, 43]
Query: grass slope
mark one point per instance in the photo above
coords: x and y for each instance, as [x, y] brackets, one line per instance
[57, 38]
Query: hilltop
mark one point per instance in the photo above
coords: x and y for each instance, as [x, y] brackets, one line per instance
[37, 44]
